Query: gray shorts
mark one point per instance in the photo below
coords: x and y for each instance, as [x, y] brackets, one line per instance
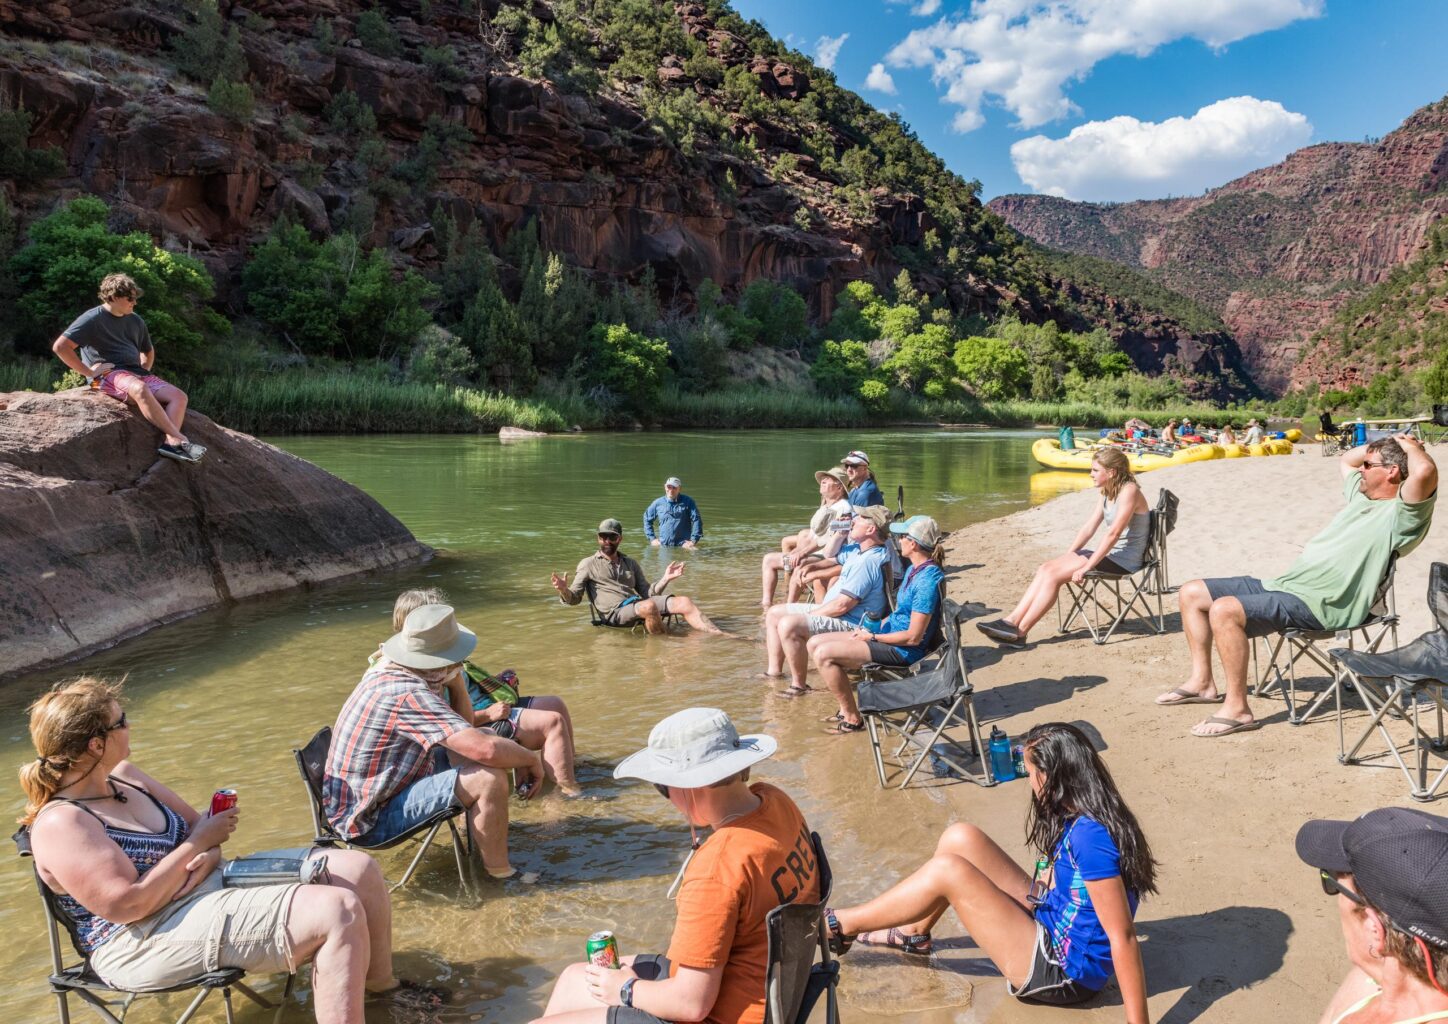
[1268, 611]
[210, 929]
[829, 624]
[648, 967]
[628, 614]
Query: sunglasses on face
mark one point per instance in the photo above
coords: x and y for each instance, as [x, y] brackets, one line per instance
[1333, 887]
[1374, 465]
[608, 536]
[663, 790]
[120, 724]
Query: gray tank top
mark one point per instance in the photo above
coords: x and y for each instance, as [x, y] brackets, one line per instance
[1130, 548]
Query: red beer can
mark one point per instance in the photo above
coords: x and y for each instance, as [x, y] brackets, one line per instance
[222, 800]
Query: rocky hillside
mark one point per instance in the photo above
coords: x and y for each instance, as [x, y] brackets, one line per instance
[671, 139]
[1277, 252]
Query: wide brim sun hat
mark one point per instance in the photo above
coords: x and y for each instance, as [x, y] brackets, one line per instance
[837, 473]
[694, 748]
[430, 638]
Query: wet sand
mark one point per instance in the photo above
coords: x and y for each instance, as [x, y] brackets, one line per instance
[1241, 930]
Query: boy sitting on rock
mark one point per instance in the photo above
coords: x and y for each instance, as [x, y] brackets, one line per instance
[111, 347]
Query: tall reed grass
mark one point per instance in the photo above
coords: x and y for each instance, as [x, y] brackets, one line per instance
[28, 375]
[756, 406]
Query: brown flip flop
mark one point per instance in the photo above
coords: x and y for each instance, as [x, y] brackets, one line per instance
[1236, 726]
[1187, 697]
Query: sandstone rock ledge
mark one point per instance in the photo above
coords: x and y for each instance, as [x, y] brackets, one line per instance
[102, 539]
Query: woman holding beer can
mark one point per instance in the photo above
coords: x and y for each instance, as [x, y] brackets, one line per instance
[137, 873]
[758, 857]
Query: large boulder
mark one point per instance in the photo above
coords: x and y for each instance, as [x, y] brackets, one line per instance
[102, 539]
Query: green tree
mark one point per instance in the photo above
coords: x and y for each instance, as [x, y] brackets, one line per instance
[629, 364]
[440, 358]
[17, 159]
[858, 310]
[56, 274]
[232, 100]
[377, 35]
[490, 328]
[841, 367]
[992, 368]
[921, 362]
[1435, 381]
[698, 351]
[780, 312]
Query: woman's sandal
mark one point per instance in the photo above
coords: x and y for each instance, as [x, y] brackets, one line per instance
[915, 945]
[793, 692]
[840, 943]
[844, 728]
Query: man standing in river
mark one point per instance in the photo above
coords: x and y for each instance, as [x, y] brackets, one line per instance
[678, 517]
[619, 591]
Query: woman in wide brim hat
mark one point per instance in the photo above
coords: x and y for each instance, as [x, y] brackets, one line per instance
[834, 485]
[758, 856]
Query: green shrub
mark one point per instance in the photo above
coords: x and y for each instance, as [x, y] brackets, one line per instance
[196, 49]
[324, 36]
[1435, 380]
[628, 364]
[698, 352]
[377, 35]
[780, 312]
[992, 368]
[232, 100]
[490, 329]
[874, 393]
[921, 359]
[57, 272]
[840, 369]
[348, 115]
[17, 159]
[441, 358]
[442, 61]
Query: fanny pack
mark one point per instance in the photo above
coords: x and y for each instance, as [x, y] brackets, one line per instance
[249, 872]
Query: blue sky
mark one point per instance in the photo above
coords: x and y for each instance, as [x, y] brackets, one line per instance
[1126, 99]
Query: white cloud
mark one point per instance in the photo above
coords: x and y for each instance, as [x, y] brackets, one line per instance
[921, 8]
[827, 48]
[1025, 52]
[879, 80]
[1124, 158]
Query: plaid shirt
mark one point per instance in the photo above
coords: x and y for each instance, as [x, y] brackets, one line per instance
[381, 744]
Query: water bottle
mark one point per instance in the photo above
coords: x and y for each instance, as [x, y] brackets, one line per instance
[1000, 755]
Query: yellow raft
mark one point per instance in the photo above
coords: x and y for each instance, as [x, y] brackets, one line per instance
[1047, 451]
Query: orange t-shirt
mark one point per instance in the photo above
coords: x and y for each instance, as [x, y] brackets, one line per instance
[742, 872]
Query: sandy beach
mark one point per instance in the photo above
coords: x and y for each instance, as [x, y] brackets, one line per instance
[1241, 930]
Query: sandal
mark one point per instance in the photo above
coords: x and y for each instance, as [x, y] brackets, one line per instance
[840, 943]
[915, 945]
[844, 728]
[793, 692]
[412, 995]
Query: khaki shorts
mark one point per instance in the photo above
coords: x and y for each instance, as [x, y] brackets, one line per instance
[211, 929]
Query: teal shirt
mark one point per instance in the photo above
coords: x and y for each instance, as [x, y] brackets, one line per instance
[1338, 573]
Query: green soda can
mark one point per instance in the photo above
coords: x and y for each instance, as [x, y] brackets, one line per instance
[602, 950]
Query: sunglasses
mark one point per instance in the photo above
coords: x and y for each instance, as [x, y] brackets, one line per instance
[1373, 465]
[608, 536]
[1333, 887]
[663, 790]
[120, 724]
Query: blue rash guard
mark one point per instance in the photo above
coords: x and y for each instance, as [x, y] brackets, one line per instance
[679, 521]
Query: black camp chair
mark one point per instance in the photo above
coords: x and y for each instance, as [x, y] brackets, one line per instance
[1396, 685]
[794, 981]
[1104, 600]
[112, 1004]
[919, 705]
[1294, 645]
[312, 764]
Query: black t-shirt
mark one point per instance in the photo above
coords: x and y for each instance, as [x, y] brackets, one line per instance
[104, 338]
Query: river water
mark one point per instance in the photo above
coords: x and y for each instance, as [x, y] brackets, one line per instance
[222, 698]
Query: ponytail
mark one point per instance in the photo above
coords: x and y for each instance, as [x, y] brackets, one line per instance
[62, 724]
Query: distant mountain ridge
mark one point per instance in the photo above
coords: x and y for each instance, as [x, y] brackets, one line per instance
[1277, 252]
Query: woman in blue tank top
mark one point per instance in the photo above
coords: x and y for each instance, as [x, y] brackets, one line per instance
[1122, 550]
[137, 874]
[1058, 935]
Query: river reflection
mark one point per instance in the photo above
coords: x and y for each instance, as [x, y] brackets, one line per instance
[222, 698]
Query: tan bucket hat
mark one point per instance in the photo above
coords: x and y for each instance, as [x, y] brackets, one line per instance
[839, 475]
[430, 638]
[694, 748]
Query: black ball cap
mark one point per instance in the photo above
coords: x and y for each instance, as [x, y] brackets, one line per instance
[1399, 859]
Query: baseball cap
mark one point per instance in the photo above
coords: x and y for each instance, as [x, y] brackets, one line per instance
[673, 481]
[1399, 859]
[921, 529]
[857, 457]
[611, 526]
[877, 514]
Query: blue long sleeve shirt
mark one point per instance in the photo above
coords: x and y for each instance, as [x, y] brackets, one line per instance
[678, 520]
[868, 493]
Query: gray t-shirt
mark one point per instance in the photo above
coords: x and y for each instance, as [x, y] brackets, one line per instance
[104, 338]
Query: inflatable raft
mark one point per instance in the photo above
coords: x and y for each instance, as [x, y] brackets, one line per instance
[1047, 451]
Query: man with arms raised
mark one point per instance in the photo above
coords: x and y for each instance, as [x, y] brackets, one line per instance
[620, 592]
[1390, 486]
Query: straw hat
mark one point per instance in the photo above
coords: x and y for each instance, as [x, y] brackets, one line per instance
[430, 638]
[694, 748]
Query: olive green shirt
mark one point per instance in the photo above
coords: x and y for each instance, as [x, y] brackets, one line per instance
[1338, 573]
[609, 583]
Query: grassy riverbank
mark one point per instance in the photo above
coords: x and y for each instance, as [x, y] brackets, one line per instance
[336, 402]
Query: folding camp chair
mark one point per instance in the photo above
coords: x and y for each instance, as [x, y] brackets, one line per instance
[921, 704]
[1293, 645]
[1127, 594]
[112, 1004]
[794, 981]
[312, 764]
[1437, 431]
[1396, 684]
[634, 626]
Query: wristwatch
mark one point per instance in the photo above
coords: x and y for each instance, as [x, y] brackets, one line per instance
[625, 993]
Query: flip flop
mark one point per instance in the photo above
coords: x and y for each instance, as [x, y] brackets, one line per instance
[1236, 726]
[795, 692]
[1187, 697]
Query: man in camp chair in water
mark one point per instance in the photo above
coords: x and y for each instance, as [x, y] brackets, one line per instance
[1390, 486]
[619, 591]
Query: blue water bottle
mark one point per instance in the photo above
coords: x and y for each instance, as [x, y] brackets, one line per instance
[1000, 755]
[1359, 434]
